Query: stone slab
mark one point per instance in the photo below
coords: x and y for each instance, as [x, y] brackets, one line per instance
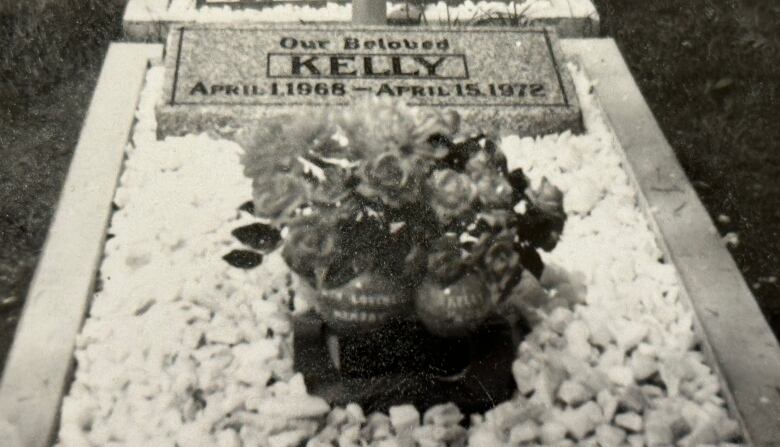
[240, 4]
[414, 371]
[220, 78]
[151, 20]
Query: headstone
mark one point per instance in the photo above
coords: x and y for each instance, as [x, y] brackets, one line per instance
[219, 77]
[151, 20]
[241, 4]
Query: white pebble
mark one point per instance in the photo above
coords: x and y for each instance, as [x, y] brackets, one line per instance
[484, 436]
[443, 414]
[636, 440]
[228, 438]
[578, 422]
[704, 434]
[297, 386]
[582, 197]
[658, 429]
[577, 335]
[294, 407]
[525, 432]
[551, 432]
[627, 334]
[547, 381]
[524, 376]
[630, 421]
[600, 336]
[610, 436]
[404, 419]
[612, 356]
[620, 375]
[389, 442]
[574, 393]
[355, 413]
[608, 404]
[291, 438]
[632, 399]
[731, 239]
[642, 366]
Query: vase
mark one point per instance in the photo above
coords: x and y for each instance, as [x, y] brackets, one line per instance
[454, 310]
[365, 303]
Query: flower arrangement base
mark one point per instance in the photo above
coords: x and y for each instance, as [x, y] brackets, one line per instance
[475, 372]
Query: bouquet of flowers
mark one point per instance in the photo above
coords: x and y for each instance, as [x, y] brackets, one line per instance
[391, 213]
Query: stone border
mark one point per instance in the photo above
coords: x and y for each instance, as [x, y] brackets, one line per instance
[150, 20]
[38, 370]
[737, 338]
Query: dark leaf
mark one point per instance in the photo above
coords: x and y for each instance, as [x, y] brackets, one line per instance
[539, 229]
[248, 207]
[258, 236]
[531, 260]
[518, 181]
[461, 152]
[243, 259]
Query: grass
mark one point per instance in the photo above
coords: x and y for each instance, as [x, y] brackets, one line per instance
[50, 56]
[47, 41]
[708, 69]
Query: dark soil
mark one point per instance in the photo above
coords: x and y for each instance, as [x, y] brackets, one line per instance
[709, 70]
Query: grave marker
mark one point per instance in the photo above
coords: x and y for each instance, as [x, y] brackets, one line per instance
[151, 20]
[219, 77]
[250, 4]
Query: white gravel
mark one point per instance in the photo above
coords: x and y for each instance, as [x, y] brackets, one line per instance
[182, 349]
[186, 11]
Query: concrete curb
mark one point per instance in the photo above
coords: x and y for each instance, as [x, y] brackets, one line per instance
[38, 369]
[737, 338]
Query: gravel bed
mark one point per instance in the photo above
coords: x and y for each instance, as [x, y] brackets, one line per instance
[181, 348]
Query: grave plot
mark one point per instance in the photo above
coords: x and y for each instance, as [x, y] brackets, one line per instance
[640, 330]
[150, 20]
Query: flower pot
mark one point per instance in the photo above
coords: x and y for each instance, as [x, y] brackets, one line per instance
[454, 310]
[364, 303]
